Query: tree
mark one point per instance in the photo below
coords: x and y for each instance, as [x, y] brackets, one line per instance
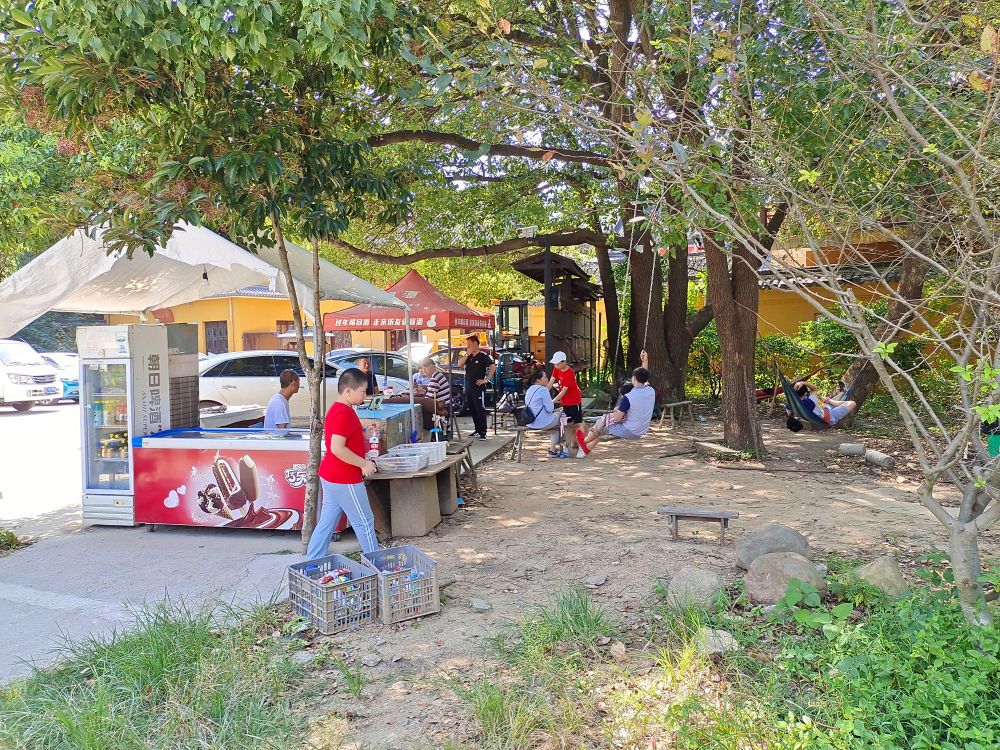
[903, 97]
[242, 108]
[535, 69]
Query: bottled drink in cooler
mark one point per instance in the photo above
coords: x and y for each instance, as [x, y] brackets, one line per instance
[98, 414]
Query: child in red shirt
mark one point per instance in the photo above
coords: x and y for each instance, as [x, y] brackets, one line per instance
[569, 395]
[343, 470]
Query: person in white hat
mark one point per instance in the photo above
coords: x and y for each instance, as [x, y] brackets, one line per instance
[568, 395]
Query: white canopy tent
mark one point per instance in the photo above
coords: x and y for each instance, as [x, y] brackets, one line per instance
[77, 275]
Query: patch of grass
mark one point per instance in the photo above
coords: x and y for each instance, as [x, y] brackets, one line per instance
[353, 678]
[174, 679]
[888, 675]
[8, 541]
[557, 633]
[511, 718]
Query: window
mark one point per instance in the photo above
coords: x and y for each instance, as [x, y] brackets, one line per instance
[250, 367]
[216, 371]
[289, 362]
[397, 366]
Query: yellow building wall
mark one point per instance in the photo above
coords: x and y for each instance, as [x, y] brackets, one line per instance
[250, 315]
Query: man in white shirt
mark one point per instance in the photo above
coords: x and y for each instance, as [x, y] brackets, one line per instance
[277, 416]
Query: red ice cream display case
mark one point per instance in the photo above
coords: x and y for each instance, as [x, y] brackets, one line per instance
[221, 478]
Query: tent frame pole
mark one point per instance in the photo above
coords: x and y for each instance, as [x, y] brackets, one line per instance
[409, 376]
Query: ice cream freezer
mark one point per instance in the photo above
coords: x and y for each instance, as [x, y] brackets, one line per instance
[248, 478]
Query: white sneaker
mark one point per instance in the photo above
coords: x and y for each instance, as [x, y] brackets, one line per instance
[581, 454]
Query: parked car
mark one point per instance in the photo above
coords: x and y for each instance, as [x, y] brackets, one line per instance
[25, 378]
[68, 366]
[244, 378]
[390, 369]
[251, 377]
[510, 366]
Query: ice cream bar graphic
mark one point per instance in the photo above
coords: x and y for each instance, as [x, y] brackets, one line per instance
[234, 501]
[249, 481]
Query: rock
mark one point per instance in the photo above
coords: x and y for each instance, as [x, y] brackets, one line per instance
[598, 579]
[371, 660]
[603, 640]
[480, 605]
[769, 575]
[539, 564]
[821, 568]
[302, 658]
[618, 652]
[770, 538]
[885, 575]
[692, 586]
[880, 459]
[715, 642]
[851, 449]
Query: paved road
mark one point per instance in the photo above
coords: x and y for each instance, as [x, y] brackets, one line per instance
[79, 581]
[40, 474]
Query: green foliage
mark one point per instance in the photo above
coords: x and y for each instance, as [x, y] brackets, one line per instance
[8, 540]
[705, 364]
[56, 332]
[174, 679]
[802, 601]
[354, 678]
[246, 110]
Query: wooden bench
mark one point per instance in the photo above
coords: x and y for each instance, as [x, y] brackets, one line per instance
[674, 515]
[681, 406]
[517, 447]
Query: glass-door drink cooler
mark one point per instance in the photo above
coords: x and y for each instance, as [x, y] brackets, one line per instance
[124, 394]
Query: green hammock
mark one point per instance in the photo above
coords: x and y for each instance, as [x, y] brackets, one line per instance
[798, 409]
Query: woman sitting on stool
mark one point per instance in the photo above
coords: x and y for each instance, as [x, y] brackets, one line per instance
[538, 399]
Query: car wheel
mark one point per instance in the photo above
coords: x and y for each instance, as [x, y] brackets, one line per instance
[23, 405]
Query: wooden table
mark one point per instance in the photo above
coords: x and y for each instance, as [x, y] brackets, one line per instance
[411, 503]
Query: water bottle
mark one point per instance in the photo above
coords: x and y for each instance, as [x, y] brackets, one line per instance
[374, 443]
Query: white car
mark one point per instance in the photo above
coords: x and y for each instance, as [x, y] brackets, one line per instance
[25, 378]
[251, 378]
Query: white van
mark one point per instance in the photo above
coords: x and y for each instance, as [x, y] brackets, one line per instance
[25, 378]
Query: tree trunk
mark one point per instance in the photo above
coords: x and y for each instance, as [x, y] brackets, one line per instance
[861, 376]
[312, 378]
[734, 296]
[646, 319]
[609, 290]
[963, 546]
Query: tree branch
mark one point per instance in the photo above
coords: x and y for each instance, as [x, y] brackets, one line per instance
[542, 153]
[561, 238]
[697, 322]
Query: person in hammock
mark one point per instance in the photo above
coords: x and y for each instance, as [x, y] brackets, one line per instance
[830, 410]
[631, 417]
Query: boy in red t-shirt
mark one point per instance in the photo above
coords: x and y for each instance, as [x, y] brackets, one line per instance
[344, 468]
[569, 396]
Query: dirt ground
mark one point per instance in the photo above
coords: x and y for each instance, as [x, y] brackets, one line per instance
[537, 528]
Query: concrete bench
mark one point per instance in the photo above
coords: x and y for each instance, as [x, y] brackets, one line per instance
[414, 501]
[674, 515]
[680, 406]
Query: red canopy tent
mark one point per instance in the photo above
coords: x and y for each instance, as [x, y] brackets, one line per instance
[429, 308]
